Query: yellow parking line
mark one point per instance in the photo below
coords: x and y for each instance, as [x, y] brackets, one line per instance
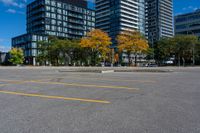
[54, 97]
[11, 81]
[72, 84]
[85, 85]
[3, 84]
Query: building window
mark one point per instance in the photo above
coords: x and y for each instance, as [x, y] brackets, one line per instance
[53, 28]
[47, 2]
[59, 11]
[53, 15]
[59, 29]
[48, 14]
[53, 3]
[59, 5]
[34, 38]
[59, 17]
[47, 27]
[53, 21]
[65, 24]
[59, 23]
[53, 9]
[64, 12]
[65, 29]
[34, 45]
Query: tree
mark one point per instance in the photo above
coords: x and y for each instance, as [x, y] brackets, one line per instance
[185, 47]
[98, 42]
[65, 50]
[197, 51]
[59, 51]
[181, 46]
[164, 49]
[16, 56]
[133, 43]
[150, 53]
[43, 52]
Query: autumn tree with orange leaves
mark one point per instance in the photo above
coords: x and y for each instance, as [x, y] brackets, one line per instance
[98, 42]
[132, 42]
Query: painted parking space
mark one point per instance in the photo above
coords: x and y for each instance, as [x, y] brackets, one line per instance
[69, 84]
[53, 97]
[18, 88]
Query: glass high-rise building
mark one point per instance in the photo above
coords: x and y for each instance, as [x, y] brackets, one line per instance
[159, 19]
[153, 18]
[62, 18]
[114, 16]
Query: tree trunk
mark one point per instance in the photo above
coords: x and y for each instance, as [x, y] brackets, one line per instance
[135, 59]
[94, 59]
[183, 59]
[179, 60]
[104, 62]
[57, 61]
[65, 59]
[129, 59]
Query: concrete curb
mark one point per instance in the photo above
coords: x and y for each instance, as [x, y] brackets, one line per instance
[116, 70]
[108, 71]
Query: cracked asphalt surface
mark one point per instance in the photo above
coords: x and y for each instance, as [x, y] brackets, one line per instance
[45, 100]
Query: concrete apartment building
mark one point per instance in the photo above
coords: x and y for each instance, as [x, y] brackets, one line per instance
[4, 56]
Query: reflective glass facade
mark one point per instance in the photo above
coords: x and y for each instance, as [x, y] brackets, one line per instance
[113, 16]
[53, 17]
[188, 23]
[62, 18]
[159, 19]
[28, 42]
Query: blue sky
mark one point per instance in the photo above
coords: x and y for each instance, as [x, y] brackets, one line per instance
[13, 18]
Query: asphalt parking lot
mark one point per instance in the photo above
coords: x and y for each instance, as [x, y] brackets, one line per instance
[46, 100]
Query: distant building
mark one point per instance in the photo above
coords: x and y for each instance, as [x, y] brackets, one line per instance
[153, 18]
[4, 56]
[62, 18]
[28, 42]
[114, 16]
[159, 19]
[188, 23]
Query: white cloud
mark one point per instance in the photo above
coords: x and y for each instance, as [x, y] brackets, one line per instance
[14, 3]
[190, 8]
[4, 45]
[13, 11]
[4, 48]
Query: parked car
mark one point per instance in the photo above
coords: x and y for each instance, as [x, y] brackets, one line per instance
[169, 62]
[152, 65]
